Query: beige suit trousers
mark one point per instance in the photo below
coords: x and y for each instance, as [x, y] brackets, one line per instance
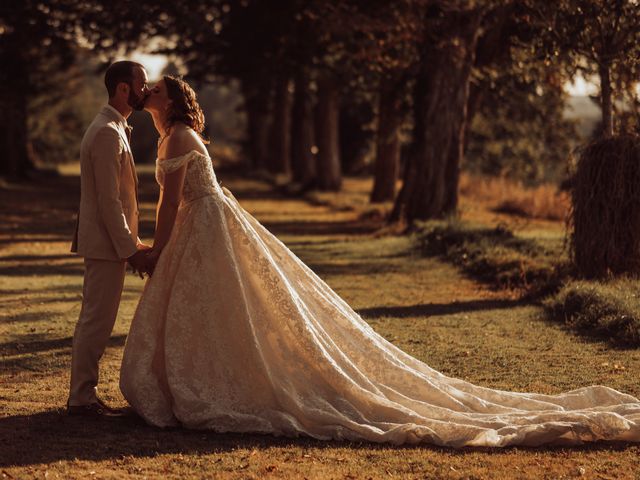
[103, 283]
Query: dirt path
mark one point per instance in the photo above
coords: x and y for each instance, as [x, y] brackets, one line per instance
[425, 306]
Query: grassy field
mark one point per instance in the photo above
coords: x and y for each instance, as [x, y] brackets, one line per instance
[424, 305]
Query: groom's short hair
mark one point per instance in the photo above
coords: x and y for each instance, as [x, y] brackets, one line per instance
[119, 72]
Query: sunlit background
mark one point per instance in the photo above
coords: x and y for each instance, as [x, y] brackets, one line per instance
[260, 72]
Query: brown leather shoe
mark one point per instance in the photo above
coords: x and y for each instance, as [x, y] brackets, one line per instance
[113, 411]
[97, 409]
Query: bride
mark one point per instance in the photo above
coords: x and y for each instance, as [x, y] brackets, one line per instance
[233, 333]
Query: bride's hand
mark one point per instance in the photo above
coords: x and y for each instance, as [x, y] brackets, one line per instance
[144, 246]
[151, 258]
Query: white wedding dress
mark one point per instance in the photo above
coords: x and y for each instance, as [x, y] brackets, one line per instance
[233, 333]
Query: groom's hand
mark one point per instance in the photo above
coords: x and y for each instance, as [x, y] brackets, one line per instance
[138, 262]
[144, 246]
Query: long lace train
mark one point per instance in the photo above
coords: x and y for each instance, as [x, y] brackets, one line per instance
[234, 333]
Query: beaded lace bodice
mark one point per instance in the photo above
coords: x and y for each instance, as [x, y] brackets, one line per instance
[200, 179]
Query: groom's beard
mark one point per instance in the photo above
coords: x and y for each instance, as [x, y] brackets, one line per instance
[136, 102]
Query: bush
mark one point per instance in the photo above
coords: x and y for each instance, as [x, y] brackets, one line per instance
[605, 215]
[610, 310]
[496, 255]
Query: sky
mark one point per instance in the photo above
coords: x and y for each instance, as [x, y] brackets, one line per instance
[154, 64]
[581, 87]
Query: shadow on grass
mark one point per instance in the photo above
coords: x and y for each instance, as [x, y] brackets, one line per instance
[355, 268]
[253, 194]
[47, 289]
[49, 207]
[590, 335]
[435, 309]
[330, 242]
[36, 239]
[29, 354]
[37, 258]
[42, 269]
[321, 228]
[51, 436]
[28, 317]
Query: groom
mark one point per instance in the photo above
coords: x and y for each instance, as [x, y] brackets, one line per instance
[107, 230]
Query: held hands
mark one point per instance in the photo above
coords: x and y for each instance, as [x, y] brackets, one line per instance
[152, 259]
[144, 260]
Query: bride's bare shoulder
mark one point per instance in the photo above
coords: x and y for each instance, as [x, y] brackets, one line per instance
[181, 141]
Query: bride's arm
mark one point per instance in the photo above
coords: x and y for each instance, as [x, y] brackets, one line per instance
[170, 197]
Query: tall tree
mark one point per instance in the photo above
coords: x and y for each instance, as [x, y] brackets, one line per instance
[257, 107]
[329, 173]
[249, 40]
[390, 115]
[39, 42]
[279, 160]
[375, 47]
[601, 36]
[302, 131]
[36, 40]
[440, 97]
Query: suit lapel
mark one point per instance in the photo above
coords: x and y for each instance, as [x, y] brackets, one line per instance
[128, 153]
[132, 165]
[135, 177]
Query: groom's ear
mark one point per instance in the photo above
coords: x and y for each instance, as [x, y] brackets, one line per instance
[124, 88]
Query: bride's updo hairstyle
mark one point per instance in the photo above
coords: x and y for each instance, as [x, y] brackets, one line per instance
[184, 107]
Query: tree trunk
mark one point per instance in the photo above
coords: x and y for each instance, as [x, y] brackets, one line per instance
[280, 158]
[302, 158]
[387, 161]
[416, 148]
[452, 172]
[329, 174]
[440, 108]
[15, 161]
[607, 104]
[476, 97]
[257, 109]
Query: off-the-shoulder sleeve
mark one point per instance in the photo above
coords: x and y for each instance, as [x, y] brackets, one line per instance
[172, 164]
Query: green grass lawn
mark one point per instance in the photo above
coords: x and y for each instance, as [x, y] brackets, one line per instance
[425, 305]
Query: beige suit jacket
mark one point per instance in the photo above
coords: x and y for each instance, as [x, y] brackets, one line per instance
[107, 226]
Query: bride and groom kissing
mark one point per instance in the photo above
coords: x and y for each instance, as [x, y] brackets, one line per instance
[234, 333]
